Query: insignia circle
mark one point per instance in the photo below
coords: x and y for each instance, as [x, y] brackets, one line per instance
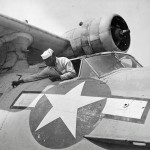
[54, 129]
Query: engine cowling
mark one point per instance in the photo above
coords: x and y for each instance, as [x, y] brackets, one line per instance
[109, 33]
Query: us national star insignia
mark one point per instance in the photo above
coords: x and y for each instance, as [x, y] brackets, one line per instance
[66, 106]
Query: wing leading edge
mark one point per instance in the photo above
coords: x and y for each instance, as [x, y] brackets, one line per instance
[41, 39]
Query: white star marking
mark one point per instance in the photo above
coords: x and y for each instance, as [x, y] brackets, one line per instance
[66, 106]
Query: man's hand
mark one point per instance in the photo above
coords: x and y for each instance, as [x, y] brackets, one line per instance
[57, 78]
[16, 83]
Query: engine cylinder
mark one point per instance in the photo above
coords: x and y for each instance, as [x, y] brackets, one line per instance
[109, 33]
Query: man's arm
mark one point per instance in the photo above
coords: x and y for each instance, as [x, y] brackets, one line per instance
[41, 75]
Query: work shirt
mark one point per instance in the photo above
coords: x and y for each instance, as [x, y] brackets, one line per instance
[63, 68]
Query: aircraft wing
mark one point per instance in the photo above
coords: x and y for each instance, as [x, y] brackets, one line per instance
[12, 29]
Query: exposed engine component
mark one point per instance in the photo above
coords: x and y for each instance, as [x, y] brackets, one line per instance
[109, 33]
[13, 47]
[120, 33]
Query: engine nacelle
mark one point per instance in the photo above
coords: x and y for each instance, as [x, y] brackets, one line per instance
[109, 33]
